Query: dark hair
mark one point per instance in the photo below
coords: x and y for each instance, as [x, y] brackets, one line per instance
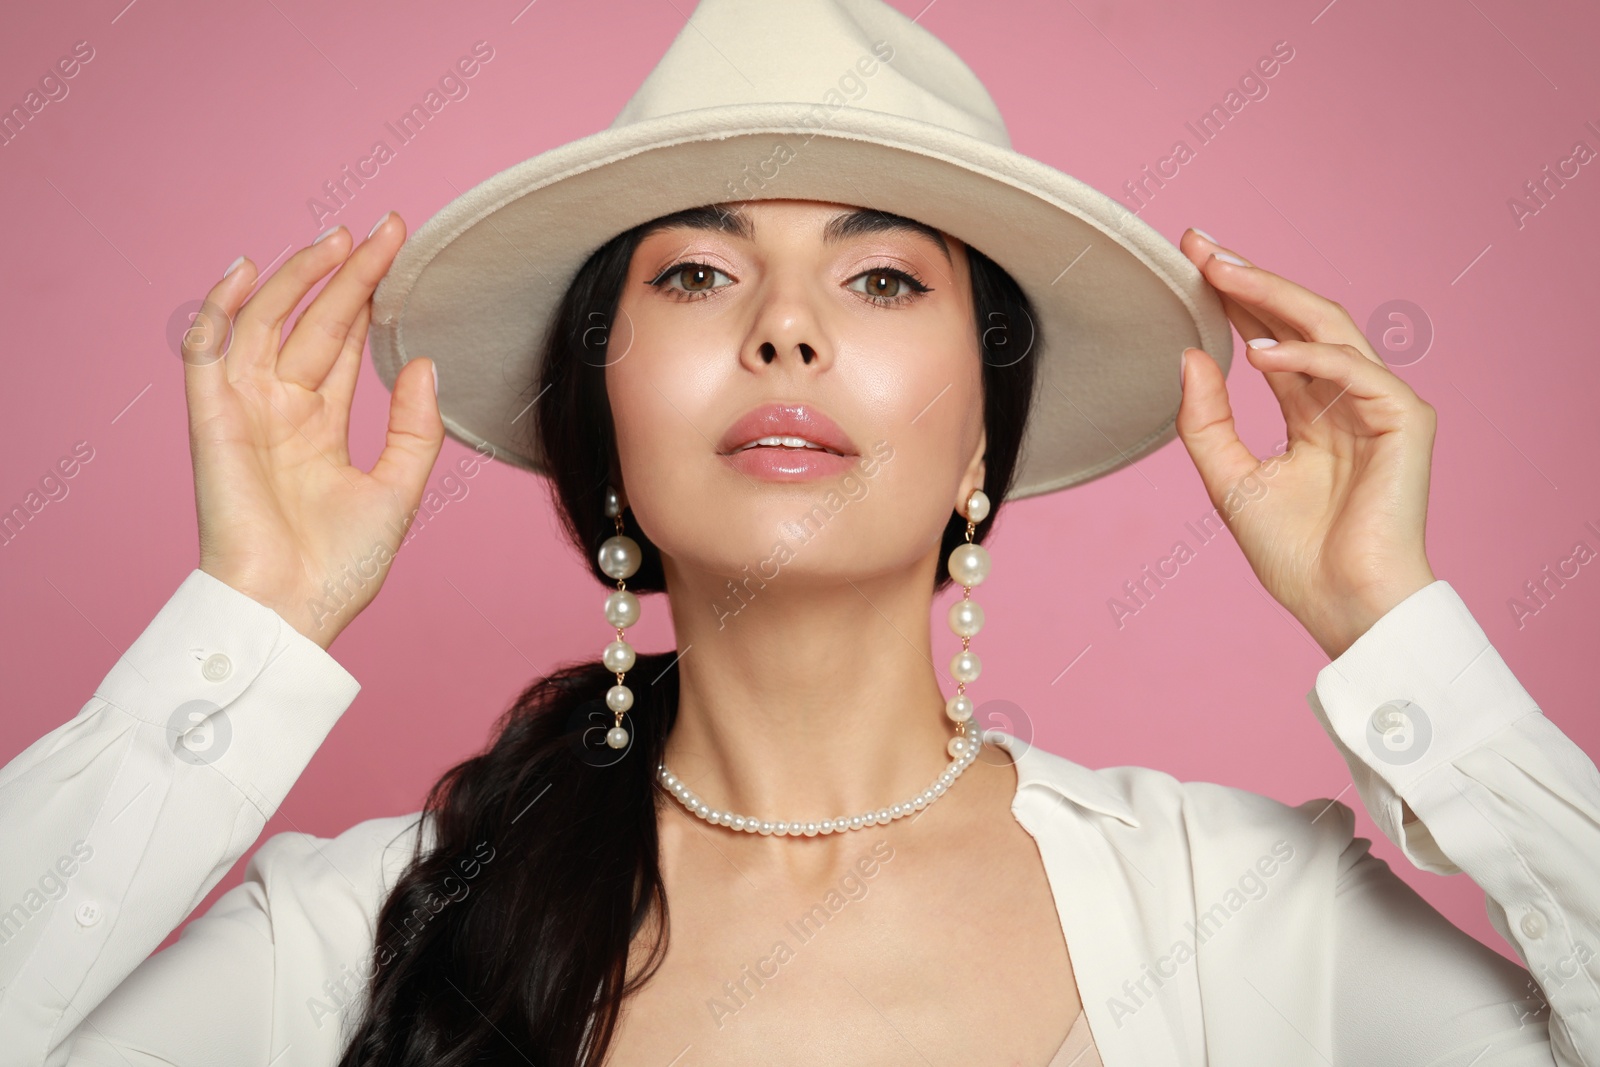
[530, 963]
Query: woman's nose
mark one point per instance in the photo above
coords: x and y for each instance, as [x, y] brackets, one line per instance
[789, 325]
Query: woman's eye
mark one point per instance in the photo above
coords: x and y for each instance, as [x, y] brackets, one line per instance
[691, 278]
[887, 285]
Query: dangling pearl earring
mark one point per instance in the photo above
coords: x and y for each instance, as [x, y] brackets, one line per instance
[969, 565]
[619, 559]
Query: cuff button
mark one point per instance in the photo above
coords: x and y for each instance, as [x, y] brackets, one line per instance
[1399, 732]
[1533, 924]
[216, 667]
[88, 913]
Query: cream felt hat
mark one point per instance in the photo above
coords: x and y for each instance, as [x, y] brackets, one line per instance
[835, 100]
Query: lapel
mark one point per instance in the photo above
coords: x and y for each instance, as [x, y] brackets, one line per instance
[1117, 897]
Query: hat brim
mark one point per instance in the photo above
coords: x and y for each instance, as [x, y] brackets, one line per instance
[475, 286]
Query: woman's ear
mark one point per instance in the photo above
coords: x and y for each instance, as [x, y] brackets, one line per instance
[975, 473]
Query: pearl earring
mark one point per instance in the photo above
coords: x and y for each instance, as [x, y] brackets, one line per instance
[619, 558]
[969, 565]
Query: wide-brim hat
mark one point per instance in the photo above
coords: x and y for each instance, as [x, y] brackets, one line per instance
[835, 100]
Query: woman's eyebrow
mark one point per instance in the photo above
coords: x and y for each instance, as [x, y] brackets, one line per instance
[864, 221]
[840, 227]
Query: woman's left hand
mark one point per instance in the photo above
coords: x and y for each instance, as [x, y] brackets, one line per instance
[1334, 526]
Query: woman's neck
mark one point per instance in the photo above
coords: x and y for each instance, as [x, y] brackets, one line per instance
[816, 699]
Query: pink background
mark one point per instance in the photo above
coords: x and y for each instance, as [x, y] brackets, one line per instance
[1378, 167]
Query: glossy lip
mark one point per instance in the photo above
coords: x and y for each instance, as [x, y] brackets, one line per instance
[786, 420]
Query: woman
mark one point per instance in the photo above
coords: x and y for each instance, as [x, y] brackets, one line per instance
[526, 918]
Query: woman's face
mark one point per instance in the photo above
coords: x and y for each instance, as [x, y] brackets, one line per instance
[862, 334]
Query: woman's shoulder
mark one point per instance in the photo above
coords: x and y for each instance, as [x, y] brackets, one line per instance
[333, 887]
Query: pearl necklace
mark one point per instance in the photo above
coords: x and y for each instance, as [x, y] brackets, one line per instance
[968, 741]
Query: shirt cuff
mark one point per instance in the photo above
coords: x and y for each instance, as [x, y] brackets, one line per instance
[206, 647]
[1420, 688]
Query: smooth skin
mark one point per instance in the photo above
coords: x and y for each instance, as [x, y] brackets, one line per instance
[774, 708]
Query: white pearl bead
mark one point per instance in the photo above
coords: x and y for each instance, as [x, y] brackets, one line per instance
[966, 618]
[977, 506]
[622, 608]
[939, 788]
[811, 829]
[959, 708]
[969, 564]
[884, 816]
[618, 656]
[957, 747]
[702, 808]
[965, 666]
[738, 822]
[619, 698]
[766, 828]
[826, 827]
[617, 737]
[780, 827]
[920, 802]
[613, 503]
[619, 556]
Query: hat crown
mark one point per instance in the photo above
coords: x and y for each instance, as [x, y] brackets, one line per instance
[830, 54]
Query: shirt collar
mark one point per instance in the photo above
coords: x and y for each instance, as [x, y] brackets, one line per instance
[1073, 781]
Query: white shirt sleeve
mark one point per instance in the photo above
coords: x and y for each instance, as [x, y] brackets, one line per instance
[118, 823]
[1427, 715]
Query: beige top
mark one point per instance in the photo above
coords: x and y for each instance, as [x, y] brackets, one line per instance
[1078, 1049]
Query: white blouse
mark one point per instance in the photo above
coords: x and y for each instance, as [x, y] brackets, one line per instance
[1207, 924]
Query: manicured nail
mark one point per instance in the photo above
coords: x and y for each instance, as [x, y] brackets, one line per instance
[436, 379]
[329, 232]
[233, 266]
[1206, 235]
[1262, 342]
[1229, 257]
[379, 223]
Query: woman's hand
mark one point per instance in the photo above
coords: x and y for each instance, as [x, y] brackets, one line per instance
[1334, 526]
[284, 518]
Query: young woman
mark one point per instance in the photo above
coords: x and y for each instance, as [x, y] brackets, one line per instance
[644, 864]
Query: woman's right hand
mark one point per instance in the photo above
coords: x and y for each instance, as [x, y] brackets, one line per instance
[284, 518]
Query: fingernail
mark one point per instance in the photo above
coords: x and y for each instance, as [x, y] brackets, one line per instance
[1262, 342]
[1206, 235]
[329, 232]
[1229, 257]
[436, 379]
[379, 223]
[233, 266]
[1183, 366]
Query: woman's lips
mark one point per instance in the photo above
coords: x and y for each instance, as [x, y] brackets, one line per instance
[784, 419]
[779, 464]
[786, 423]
